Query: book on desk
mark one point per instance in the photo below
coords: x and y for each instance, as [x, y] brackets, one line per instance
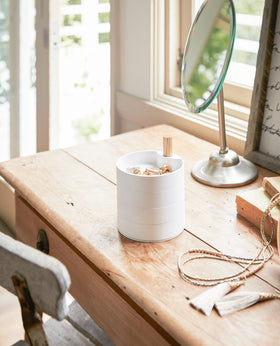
[253, 203]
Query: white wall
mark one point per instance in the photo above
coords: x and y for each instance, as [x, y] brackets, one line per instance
[135, 47]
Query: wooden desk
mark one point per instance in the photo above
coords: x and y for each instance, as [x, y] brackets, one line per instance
[133, 290]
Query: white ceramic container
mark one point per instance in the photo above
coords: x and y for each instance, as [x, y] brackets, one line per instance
[150, 208]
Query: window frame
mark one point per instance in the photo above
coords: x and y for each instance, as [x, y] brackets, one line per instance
[149, 104]
[176, 33]
[166, 94]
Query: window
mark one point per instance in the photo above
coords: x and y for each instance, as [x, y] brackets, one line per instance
[240, 76]
[17, 79]
[4, 81]
[84, 71]
[151, 35]
[55, 89]
[162, 102]
[242, 69]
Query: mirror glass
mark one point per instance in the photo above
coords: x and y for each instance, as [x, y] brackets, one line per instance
[207, 53]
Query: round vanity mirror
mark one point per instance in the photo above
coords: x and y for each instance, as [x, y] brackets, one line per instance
[205, 62]
[207, 53]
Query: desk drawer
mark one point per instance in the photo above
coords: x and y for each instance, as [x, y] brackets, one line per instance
[124, 324]
[28, 223]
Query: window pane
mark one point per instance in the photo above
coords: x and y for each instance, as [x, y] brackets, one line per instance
[17, 79]
[4, 82]
[27, 79]
[249, 19]
[84, 71]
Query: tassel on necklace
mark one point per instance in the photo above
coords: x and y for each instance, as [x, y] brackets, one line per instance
[241, 300]
[206, 301]
[222, 285]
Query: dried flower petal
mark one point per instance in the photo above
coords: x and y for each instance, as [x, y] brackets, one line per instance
[150, 170]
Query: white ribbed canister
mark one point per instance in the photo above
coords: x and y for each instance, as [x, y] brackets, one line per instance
[150, 208]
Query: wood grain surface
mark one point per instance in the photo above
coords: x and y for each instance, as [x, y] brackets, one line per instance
[72, 193]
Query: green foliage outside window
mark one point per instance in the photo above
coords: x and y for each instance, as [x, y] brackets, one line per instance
[104, 17]
[87, 127]
[70, 2]
[205, 73]
[249, 6]
[247, 32]
[75, 20]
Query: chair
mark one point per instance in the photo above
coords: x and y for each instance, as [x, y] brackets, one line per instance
[41, 283]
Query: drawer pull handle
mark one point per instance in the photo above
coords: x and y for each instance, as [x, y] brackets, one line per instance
[42, 241]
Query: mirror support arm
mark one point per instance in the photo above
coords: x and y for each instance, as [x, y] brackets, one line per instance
[224, 168]
[222, 126]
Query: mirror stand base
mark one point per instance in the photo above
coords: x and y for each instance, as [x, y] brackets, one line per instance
[220, 171]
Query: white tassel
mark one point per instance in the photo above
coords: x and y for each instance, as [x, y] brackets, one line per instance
[205, 301]
[241, 300]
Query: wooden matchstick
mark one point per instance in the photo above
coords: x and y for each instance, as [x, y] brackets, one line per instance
[167, 146]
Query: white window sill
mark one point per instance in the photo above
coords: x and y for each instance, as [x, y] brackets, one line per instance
[166, 109]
